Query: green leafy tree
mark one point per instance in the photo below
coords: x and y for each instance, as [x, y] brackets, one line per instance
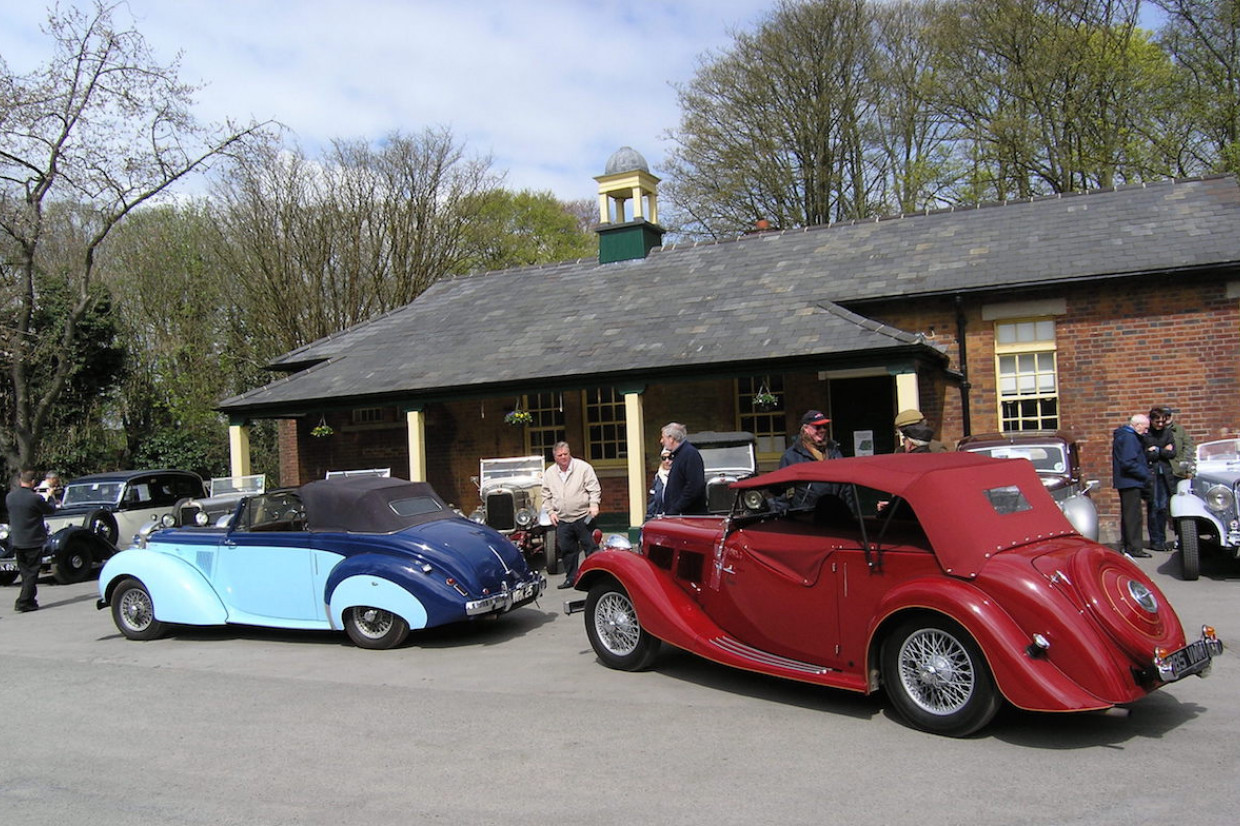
[515, 229]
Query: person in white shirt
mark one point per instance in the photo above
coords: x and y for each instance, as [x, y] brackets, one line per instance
[571, 494]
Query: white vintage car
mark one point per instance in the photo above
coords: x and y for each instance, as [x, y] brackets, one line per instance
[1206, 508]
[511, 493]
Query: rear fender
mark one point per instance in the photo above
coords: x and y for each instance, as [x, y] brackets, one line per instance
[370, 591]
[179, 592]
[1027, 682]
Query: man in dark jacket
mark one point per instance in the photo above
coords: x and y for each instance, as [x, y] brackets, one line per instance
[813, 444]
[1130, 473]
[27, 536]
[685, 491]
[1159, 443]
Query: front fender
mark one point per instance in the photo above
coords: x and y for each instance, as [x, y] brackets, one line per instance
[1033, 684]
[370, 591]
[179, 592]
[100, 549]
[1185, 505]
[1083, 514]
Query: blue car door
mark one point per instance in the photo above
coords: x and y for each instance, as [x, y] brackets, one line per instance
[266, 569]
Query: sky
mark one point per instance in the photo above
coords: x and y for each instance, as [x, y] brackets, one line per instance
[549, 89]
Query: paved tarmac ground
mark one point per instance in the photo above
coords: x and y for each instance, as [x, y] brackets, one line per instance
[513, 721]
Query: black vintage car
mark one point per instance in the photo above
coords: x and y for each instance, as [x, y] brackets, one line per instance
[100, 514]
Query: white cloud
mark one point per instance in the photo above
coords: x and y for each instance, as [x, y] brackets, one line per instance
[550, 89]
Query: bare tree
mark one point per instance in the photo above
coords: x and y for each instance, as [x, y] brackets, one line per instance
[319, 245]
[104, 127]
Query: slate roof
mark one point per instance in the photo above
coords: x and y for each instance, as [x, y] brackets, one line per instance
[760, 299]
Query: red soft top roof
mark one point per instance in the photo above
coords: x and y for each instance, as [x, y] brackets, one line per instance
[948, 492]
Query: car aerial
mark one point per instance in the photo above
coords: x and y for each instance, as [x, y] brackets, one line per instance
[1205, 508]
[371, 556]
[511, 494]
[952, 583]
[103, 512]
[1056, 457]
[726, 458]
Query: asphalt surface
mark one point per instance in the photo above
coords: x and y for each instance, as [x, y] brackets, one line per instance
[513, 721]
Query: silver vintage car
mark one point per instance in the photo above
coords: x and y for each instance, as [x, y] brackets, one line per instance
[511, 493]
[1206, 508]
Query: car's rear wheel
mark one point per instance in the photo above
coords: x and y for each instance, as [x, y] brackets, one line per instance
[133, 611]
[936, 677]
[73, 562]
[1190, 550]
[617, 637]
[7, 578]
[551, 552]
[375, 628]
[103, 524]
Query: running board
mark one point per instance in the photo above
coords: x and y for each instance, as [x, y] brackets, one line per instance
[739, 649]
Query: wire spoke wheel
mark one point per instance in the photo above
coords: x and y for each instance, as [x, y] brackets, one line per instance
[615, 621]
[936, 671]
[614, 630]
[935, 675]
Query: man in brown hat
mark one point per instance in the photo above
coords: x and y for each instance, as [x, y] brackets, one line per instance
[914, 418]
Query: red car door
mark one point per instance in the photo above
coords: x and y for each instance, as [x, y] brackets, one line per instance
[776, 590]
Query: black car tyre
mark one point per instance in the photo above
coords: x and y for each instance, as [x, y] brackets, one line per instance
[936, 677]
[7, 578]
[133, 611]
[617, 637]
[1190, 550]
[375, 628]
[103, 524]
[73, 562]
[551, 552]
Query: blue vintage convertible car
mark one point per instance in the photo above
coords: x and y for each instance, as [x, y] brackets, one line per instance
[372, 556]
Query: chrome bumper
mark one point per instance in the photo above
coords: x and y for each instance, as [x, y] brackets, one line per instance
[1194, 658]
[507, 598]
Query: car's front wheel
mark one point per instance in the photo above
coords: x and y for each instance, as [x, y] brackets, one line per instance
[7, 578]
[375, 628]
[73, 563]
[936, 677]
[551, 552]
[617, 637]
[133, 611]
[1190, 550]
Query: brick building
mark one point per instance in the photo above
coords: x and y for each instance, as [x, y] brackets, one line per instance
[1067, 312]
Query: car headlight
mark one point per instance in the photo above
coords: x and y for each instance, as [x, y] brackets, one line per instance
[1219, 498]
[202, 519]
[4, 532]
[618, 542]
[753, 500]
[524, 518]
[479, 516]
[168, 521]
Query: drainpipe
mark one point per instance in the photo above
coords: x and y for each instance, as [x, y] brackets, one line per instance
[963, 353]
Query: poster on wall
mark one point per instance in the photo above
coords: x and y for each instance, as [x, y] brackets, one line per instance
[863, 442]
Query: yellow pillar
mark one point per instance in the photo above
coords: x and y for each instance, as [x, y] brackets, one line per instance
[635, 436]
[907, 395]
[415, 422]
[239, 449]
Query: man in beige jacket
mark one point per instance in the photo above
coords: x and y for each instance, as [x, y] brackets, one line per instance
[571, 494]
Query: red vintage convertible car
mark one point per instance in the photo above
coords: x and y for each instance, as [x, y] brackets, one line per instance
[951, 581]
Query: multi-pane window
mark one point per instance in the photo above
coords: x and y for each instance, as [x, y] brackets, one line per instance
[605, 431]
[1025, 368]
[367, 415]
[760, 406]
[548, 425]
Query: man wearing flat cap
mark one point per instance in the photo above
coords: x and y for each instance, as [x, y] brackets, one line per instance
[913, 418]
[1171, 455]
[813, 444]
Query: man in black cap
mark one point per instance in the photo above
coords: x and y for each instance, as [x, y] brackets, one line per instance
[1172, 456]
[813, 444]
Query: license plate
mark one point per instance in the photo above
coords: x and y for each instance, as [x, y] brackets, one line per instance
[1190, 659]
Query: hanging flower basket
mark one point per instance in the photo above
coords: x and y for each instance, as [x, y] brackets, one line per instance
[321, 430]
[519, 418]
[764, 401]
